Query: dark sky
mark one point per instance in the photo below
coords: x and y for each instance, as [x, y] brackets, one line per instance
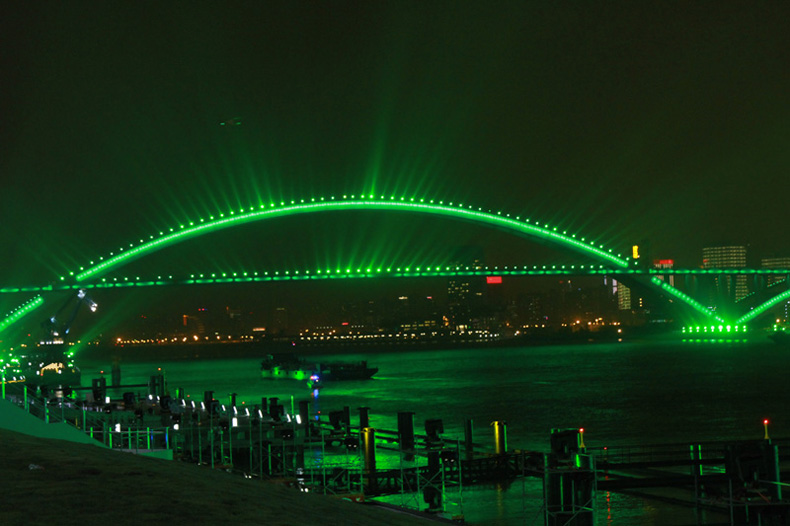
[621, 121]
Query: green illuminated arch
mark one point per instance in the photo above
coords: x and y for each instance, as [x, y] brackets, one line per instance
[764, 307]
[504, 222]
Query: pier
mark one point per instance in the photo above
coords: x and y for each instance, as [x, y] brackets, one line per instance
[741, 480]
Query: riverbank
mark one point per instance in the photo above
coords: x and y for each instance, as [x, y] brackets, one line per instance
[58, 482]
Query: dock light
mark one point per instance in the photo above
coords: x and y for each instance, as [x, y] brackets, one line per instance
[581, 438]
[175, 427]
[223, 408]
[235, 422]
[106, 399]
[288, 417]
[235, 411]
[203, 406]
[117, 428]
[298, 419]
[765, 425]
[247, 411]
[193, 404]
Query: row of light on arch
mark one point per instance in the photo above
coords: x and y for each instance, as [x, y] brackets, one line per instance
[699, 307]
[20, 311]
[779, 298]
[349, 202]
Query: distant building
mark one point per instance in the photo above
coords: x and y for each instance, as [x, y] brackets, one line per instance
[773, 263]
[726, 257]
[466, 294]
[665, 264]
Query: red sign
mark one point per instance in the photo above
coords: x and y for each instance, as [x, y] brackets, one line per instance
[492, 280]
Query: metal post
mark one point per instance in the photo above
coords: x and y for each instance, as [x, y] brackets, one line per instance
[369, 445]
[469, 438]
[500, 437]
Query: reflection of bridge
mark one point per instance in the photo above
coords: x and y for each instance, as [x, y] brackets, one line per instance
[605, 261]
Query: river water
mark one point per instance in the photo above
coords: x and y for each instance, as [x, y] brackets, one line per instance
[629, 393]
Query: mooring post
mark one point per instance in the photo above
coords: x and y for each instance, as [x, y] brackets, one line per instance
[364, 417]
[500, 436]
[369, 445]
[116, 373]
[469, 438]
[406, 432]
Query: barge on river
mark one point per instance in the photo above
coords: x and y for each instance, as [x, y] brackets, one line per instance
[292, 367]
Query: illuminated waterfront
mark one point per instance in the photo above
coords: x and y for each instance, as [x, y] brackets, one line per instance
[627, 393]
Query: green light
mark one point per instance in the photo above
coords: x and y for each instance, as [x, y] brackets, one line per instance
[666, 287]
[20, 312]
[764, 307]
[488, 219]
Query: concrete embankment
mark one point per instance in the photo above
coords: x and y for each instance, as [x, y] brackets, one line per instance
[47, 481]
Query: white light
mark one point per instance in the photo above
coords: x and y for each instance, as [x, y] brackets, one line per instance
[117, 428]
[106, 399]
[298, 419]
[175, 427]
[235, 422]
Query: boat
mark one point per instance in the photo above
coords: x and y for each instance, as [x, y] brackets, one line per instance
[286, 365]
[45, 366]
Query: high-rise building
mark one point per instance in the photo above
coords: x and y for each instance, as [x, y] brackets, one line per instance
[466, 294]
[774, 263]
[727, 257]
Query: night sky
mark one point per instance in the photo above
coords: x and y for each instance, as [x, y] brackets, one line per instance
[621, 121]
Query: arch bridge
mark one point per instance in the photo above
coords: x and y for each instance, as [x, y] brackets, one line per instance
[605, 261]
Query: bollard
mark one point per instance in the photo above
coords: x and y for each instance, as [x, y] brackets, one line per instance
[500, 436]
[116, 373]
[346, 420]
[273, 404]
[369, 446]
[364, 417]
[433, 427]
[304, 413]
[99, 389]
[406, 430]
[469, 438]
